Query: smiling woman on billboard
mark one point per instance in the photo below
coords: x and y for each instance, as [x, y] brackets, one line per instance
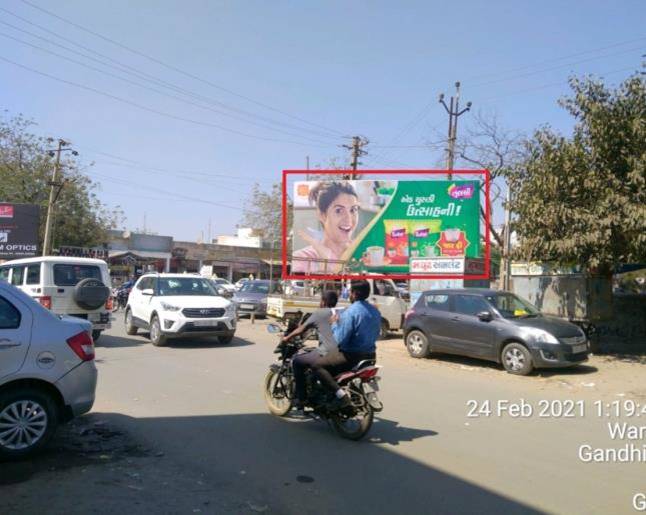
[337, 205]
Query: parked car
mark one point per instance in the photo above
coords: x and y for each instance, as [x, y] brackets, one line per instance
[179, 305]
[493, 325]
[252, 297]
[223, 287]
[71, 286]
[47, 372]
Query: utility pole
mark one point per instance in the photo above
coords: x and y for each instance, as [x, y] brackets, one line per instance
[54, 191]
[356, 149]
[506, 281]
[453, 110]
[307, 167]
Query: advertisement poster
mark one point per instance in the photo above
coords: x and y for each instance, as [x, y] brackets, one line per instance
[373, 226]
[18, 230]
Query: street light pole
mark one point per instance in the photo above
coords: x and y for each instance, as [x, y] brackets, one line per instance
[53, 194]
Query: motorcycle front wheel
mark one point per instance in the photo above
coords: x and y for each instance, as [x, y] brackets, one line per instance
[278, 393]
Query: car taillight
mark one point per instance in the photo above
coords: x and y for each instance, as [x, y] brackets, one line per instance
[108, 304]
[82, 345]
[45, 302]
[410, 312]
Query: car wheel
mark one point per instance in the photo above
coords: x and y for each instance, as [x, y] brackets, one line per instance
[417, 344]
[156, 336]
[227, 338]
[384, 330]
[516, 359]
[131, 328]
[96, 335]
[28, 420]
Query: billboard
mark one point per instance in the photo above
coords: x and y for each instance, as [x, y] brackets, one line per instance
[18, 230]
[391, 227]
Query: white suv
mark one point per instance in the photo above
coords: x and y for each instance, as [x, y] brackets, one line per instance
[174, 305]
[71, 286]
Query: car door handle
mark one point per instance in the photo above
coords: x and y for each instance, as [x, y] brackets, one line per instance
[7, 344]
[455, 319]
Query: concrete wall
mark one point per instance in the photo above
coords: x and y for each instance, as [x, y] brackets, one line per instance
[626, 331]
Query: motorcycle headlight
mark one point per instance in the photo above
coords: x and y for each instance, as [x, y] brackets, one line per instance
[539, 335]
[169, 307]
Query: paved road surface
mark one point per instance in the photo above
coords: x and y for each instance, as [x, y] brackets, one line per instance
[193, 435]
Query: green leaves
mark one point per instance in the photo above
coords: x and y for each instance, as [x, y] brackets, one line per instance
[583, 199]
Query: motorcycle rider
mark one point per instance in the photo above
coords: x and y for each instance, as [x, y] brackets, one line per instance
[319, 319]
[356, 332]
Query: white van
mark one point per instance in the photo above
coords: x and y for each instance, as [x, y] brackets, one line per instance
[67, 286]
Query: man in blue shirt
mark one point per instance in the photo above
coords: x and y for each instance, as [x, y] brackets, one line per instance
[356, 332]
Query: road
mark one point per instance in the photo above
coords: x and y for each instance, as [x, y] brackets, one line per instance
[184, 429]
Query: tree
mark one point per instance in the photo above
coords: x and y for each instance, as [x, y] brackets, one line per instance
[583, 199]
[263, 212]
[25, 174]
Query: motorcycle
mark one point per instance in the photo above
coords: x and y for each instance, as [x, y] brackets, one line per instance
[360, 383]
[120, 297]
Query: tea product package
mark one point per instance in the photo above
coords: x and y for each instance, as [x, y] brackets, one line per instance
[396, 241]
[423, 236]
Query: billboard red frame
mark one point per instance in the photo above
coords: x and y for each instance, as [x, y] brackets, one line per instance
[487, 210]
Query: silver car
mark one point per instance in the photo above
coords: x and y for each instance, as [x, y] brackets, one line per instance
[47, 372]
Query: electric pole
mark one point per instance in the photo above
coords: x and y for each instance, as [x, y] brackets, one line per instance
[453, 110]
[54, 191]
[506, 282]
[356, 149]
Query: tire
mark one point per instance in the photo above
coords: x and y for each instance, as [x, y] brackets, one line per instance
[226, 339]
[90, 293]
[417, 344]
[357, 433]
[156, 336]
[42, 418]
[96, 335]
[384, 330]
[279, 407]
[131, 328]
[516, 359]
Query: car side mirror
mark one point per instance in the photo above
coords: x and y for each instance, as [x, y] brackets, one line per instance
[485, 316]
[148, 291]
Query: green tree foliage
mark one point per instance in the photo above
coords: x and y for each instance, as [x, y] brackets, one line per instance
[583, 199]
[25, 175]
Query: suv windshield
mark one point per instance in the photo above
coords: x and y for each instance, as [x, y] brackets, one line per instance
[71, 275]
[252, 287]
[184, 286]
[511, 306]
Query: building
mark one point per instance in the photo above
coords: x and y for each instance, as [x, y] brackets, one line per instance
[244, 238]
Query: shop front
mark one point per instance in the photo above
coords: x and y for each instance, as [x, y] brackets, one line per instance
[131, 264]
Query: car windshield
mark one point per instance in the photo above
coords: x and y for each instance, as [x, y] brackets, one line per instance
[512, 306]
[251, 287]
[184, 286]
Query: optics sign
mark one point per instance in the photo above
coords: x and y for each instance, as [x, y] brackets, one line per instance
[18, 230]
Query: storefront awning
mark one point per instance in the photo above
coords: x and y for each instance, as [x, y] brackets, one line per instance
[145, 254]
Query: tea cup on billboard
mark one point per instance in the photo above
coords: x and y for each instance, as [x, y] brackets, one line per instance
[375, 255]
[452, 234]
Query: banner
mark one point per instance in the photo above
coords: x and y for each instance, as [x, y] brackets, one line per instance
[18, 230]
[373, 226]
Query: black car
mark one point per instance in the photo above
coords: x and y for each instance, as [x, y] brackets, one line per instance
[493, 325]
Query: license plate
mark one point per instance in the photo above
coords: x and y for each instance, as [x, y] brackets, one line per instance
[579, 348]
[374, 385]
[205, 323]
[247, 306]
[94, 317]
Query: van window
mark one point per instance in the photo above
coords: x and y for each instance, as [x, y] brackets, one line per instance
[383, 288]
[33, 274]
[71, 275]
[18, 273]
[4, 273]
[9, 315]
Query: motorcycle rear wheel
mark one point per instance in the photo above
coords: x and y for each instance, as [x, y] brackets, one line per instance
[354, 428]
[278, 403]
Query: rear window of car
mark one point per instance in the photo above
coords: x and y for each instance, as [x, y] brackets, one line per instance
[33, 274]
[71, 275]
[437, 302]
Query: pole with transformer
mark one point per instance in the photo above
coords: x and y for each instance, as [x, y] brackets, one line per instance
[356, 151]
[453, 110]
[54, 191]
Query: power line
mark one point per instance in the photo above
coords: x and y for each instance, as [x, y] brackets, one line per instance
[156, 111]
[179, 70]
[124, 68]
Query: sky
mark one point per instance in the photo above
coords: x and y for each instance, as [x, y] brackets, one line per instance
[177, 108]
